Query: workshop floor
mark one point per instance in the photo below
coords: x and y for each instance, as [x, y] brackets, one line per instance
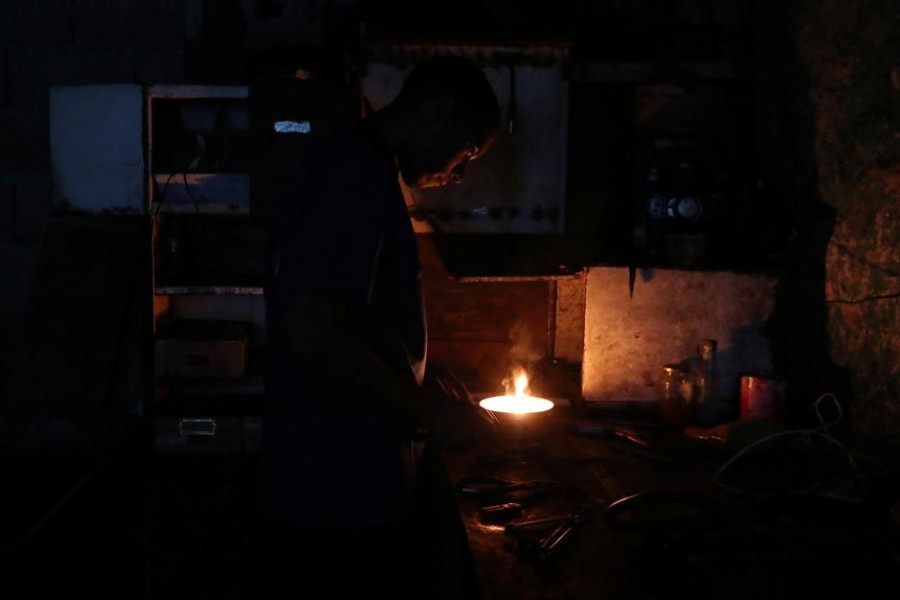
[182, 527]
[200, 529]
[165, 528]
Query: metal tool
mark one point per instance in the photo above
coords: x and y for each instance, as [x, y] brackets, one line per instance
[635, 444]
[601, 430]
[494, 490]
[642, 453]
[560, 528]
[629, 435]
[496, 513]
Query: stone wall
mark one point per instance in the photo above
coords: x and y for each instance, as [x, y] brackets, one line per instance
[829, 99]
[852, 55]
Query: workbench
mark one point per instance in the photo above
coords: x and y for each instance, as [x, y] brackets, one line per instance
[683, 533]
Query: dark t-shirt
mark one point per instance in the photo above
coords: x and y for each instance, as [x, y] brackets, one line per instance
[342, 231]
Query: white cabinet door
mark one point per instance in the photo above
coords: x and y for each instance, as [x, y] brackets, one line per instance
[96, 148]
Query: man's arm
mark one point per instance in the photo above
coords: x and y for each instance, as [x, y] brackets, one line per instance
[319, 336]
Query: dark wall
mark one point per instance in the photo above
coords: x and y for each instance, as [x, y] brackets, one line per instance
[43, 44]
[825, 147]
[145, 42]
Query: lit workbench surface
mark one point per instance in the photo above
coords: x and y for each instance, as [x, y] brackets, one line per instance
[726, 543]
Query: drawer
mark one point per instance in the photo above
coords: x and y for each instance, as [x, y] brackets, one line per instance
[218, 435]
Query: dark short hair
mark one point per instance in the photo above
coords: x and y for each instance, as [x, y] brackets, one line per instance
[462, 80]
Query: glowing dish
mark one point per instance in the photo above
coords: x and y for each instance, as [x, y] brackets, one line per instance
[519, 403]
[516, 404]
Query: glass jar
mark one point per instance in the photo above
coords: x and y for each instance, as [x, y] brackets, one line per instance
[673, 392]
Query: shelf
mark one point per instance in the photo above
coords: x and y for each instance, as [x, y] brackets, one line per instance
[516, 278]
[203, 209]
[207, 258]
[639, 71]
[197, 91]
[240, 386]
[236, 290]
[508, 257]
[203, 193]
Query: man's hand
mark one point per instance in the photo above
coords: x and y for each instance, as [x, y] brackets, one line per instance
[456, 421]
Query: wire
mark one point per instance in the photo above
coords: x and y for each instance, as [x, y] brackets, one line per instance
[837, 405]
[191, 167]
[162, 194]
[187, 188]
[852, 456]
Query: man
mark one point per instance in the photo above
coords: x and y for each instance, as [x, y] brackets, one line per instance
[346, 414]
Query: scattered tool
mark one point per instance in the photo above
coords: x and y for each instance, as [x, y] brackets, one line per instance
[556, 530]
[599, 430]
[487, 491]
[642, 453]
[497, 513]
[635, 443]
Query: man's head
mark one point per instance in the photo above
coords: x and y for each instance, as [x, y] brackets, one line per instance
[445, 115]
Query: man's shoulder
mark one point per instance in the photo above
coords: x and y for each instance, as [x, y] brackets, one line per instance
[352, 152]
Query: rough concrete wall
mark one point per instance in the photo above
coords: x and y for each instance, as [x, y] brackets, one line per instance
[568, 339]
[627, 340]
[851, 51]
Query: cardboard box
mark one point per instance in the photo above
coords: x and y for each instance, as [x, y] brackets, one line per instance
[203, 348]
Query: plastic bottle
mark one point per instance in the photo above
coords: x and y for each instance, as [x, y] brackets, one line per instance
[706, 384]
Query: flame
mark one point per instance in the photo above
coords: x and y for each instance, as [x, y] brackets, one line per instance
[521, 402]
[521, 383]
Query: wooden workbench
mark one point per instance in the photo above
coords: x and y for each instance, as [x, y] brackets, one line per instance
[606, 560]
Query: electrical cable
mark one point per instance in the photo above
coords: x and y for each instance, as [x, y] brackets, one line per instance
[852, 456]
[698, 527]
[190, 167]
[187, 188]
[162, 195]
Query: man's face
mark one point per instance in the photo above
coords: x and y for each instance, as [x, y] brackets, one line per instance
[430, 169]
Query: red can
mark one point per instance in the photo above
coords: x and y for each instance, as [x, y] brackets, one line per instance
[762, 398]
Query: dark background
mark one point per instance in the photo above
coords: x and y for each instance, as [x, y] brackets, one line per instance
[811, 93]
